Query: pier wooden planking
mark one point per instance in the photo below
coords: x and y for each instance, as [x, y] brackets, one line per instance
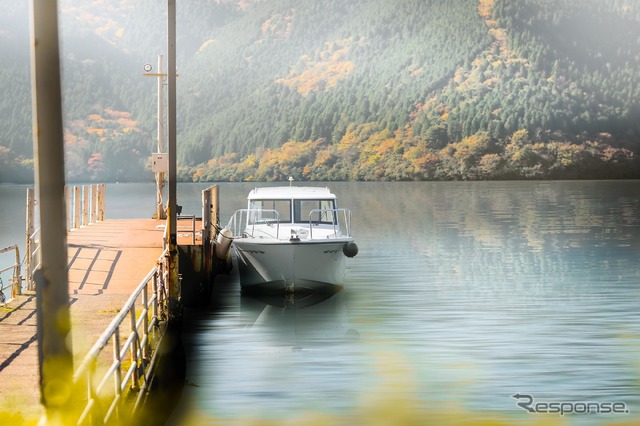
[106, 262]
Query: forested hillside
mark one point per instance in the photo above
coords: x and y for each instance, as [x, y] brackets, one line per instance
[340, 90]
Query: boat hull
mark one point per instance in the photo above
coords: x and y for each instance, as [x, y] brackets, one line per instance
[284, 266]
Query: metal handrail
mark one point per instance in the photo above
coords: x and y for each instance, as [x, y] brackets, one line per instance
[192, 231]
[85, 205]
[137, 345]
[16, 278]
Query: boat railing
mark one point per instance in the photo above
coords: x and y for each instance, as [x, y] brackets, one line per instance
[243, 222]
[340, 219]
[245, 219]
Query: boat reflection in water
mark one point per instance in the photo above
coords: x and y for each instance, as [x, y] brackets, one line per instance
[300, 320]
[278, 356]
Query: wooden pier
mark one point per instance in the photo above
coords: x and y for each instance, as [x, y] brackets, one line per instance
[107, 261]
[54, 363]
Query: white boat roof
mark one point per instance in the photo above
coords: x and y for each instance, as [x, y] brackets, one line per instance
[291, 192]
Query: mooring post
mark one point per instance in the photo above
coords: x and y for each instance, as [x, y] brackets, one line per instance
[52, 286]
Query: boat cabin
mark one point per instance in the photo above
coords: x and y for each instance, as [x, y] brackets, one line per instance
[292, 205]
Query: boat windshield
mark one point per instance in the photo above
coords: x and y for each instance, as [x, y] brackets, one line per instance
[283, 207]
[316, 211]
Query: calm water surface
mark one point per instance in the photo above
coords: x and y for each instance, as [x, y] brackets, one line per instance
[462, 295]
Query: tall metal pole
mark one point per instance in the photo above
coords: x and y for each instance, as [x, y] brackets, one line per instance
[54, 324]
[174, 287]
[160, 75]
[160, 212]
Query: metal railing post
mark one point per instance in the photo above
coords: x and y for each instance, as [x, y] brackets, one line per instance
[16, 289]
[146, 350]
[29, 233]
[67, 207]
[135, 346]
[117, 377]
[193, 230]
[85, 205]
[77, 204]
[156, 299]
[102, 202]
[94, 201]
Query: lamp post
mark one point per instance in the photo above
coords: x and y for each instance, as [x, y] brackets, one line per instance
[158, 156]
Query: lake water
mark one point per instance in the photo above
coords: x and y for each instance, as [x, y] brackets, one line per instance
[462, 296]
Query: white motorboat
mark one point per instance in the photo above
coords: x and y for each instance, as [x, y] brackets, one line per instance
[291, 239]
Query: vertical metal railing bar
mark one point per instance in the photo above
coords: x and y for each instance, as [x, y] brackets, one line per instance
[77, 207]
[155, 297]
[164, 289]
[141, 342]
[132, 346]
[30, 209]
[67, 207]
[117, 377]
[145, 339]
[335, 231]
[33, 258]
[129, 347]
[335, 214]
[85, 206]
[149, 356]
[142, 359]
[91, 397]
[94, 204]
[16, 288]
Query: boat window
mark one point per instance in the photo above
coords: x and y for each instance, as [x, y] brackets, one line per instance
[318, 211]
[263, 211]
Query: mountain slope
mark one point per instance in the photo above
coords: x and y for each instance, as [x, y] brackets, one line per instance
[370, 89]
[523, 94]
[309, 73]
